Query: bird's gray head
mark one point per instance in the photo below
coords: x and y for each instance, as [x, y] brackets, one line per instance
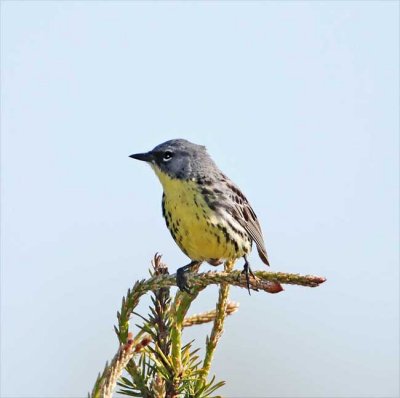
[179, 159]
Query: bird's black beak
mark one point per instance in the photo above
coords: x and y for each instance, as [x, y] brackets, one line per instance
[146, 157]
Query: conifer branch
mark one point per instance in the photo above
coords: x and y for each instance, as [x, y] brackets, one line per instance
[208, 316]
[168, 320]
[178, 312]
[217, 329]
[265, 281]
[107, 381]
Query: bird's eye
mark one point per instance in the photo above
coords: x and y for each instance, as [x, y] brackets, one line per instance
[167, 155]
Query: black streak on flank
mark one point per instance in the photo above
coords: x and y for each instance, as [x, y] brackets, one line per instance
[212, 205]
[228, 237]
[205, 191]
[238, 231]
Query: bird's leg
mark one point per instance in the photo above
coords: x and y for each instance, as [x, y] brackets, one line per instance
[181, 275]
[246, 271]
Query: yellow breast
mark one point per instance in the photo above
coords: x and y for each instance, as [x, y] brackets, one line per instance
[200, 232]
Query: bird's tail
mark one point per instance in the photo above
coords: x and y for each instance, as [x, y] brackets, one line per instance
[263, 256]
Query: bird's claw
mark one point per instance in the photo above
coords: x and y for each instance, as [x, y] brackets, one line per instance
[247, 271]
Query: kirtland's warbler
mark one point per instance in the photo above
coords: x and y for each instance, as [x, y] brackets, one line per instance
[206, 213]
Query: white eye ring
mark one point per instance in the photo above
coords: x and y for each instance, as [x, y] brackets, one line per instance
[167, 156]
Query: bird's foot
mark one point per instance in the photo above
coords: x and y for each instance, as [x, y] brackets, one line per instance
[247, 272]
[182, 280]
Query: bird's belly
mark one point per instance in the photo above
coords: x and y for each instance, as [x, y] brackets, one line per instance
[200, 232]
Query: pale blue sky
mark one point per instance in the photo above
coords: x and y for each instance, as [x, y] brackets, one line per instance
[298, 102]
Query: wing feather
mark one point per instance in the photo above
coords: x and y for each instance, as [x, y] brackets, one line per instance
[245, 215]
[228, 197]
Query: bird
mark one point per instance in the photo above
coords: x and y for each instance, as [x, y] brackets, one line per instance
[207, 214]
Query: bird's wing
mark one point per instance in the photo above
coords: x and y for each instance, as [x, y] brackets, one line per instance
[244, 214]
[228, 197]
